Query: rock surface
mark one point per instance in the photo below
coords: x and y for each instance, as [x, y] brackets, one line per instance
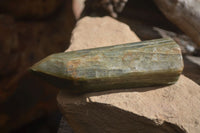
[183, 13]
[171, 109]
[149, 109]
[99, 32]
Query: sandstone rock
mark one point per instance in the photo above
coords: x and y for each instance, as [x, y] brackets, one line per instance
[145, 110]
[78, 6]
[99, 32]
[171, 109]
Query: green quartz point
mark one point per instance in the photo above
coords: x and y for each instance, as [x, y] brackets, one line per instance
[141, 64]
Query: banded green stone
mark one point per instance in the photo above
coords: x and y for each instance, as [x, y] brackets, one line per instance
[147, 63]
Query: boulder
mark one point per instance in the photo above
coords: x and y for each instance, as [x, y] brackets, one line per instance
[166, 109]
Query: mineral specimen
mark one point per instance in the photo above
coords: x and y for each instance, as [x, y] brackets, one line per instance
[147, 63]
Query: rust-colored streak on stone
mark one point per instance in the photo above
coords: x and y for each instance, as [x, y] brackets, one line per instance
[123, 66]
[72, 67]
[93, 58]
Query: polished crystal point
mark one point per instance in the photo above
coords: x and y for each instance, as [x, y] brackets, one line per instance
[147, 63]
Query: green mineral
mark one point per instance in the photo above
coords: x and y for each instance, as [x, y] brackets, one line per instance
[142, 64]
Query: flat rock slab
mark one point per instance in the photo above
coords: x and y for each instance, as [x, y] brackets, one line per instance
[173, 109]
[100, 32]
